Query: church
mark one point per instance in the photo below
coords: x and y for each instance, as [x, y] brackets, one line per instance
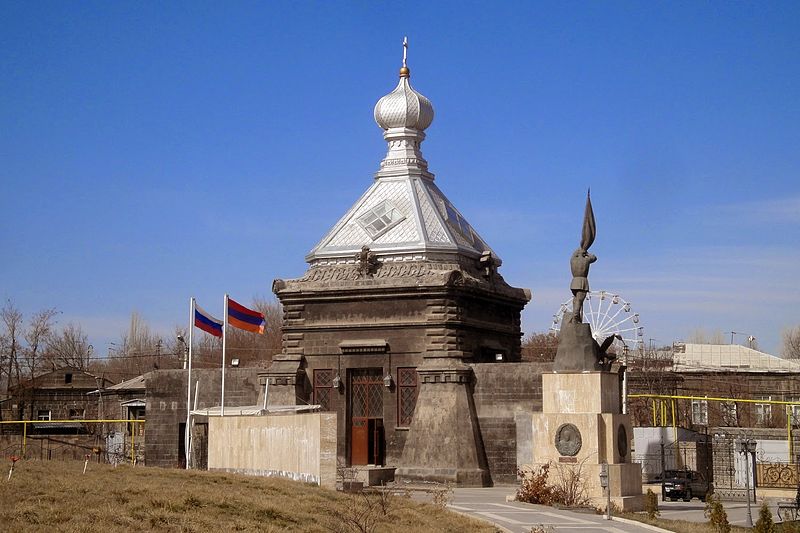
[404, 327]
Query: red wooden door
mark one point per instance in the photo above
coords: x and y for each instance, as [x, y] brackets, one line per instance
[366, 413]
[359, 438]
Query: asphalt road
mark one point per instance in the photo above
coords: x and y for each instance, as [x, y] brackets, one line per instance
[489, 504]
[693, 511]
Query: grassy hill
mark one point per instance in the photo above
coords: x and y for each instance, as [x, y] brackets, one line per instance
[57, 496]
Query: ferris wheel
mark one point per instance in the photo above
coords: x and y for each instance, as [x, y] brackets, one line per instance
[607, 314]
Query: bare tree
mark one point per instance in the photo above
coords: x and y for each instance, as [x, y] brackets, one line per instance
[791, 343]
[699, 336]
[649, 372]
[11, 319]
[540, 347]
[68, 347]
[39, 330]
[139, 351]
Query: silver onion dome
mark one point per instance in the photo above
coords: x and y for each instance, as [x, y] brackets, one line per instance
[404, 107]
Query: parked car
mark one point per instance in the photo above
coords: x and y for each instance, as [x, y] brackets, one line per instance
[685, 484]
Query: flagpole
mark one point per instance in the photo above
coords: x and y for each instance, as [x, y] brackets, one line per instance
[188, 435]
[224, 336]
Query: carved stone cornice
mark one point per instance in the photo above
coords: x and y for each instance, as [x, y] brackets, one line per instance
[416, 274]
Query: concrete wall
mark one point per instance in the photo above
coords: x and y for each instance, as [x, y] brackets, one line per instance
[166, 406]
[296, 446]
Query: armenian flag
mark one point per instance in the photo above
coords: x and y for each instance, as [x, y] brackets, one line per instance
[243, 318]
[206, 322]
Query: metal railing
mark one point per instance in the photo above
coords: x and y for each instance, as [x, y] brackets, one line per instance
[26, 423]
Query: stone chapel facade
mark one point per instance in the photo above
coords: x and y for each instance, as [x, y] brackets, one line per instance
[404, 327]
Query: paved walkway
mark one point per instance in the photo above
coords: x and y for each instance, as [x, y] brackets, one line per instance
[489, 504]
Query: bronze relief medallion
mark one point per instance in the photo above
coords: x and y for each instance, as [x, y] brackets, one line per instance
[568, 440]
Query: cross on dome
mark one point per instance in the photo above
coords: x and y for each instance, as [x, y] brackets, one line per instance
[404, 107]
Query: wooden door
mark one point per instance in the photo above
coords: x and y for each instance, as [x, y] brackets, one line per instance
[366, 415]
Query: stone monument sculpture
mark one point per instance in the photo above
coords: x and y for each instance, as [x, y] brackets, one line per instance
[577, 348]
[581, 425]
[580, 261]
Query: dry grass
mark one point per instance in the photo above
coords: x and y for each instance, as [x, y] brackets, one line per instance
[55, 495]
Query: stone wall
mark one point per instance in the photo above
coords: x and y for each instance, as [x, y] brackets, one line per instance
[502, 390]
[166, 406]
[296, 446]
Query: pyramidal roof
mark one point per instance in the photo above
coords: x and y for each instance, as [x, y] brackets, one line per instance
[403, 215]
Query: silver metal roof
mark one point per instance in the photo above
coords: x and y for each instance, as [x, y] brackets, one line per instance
[403, 215]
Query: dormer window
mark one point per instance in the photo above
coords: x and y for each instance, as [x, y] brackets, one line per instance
[381, 219]
[68, 378]
[457, 222]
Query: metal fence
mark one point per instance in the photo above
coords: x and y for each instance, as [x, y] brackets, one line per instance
[112, 440]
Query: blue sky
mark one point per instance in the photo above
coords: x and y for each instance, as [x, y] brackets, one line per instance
[154, 151]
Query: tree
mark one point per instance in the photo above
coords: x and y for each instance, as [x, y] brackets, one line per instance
[540, 347]
[649, 372]
[699, 336]
[68, 347]
[765, 523]
[36, 337]
[11, 319]
[791, 343]
[140, 350]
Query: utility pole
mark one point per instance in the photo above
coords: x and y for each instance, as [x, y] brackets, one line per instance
[747, 447]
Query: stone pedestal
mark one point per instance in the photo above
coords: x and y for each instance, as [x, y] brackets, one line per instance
[581, 427]
[444, 443]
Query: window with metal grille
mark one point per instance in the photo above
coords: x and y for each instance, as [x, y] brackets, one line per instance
[406, 395]
[323, 388]
[763, 412]
[700, 412]
[794, 411]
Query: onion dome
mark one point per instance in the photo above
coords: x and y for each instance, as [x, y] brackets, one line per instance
[404, 107]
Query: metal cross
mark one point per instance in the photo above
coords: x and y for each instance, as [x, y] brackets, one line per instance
[405, 50]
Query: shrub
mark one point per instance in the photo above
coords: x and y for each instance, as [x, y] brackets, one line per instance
[651, 505]
[717, 517]
[534, 487]
[764, 524]
[443, 495]
[569, 485]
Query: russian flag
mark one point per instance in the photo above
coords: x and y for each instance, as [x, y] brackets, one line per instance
[206, 322]
[243, 318]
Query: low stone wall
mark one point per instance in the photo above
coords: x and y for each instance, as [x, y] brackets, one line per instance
[296, 446]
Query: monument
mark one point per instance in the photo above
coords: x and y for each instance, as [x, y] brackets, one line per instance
[581, 426]
[404, 326]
